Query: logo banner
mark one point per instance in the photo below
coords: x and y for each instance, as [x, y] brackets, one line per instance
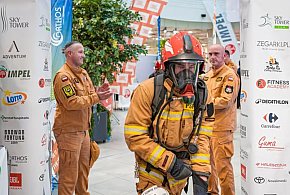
[25, 80]
[264, 126]
[224, 28]
[61, 31]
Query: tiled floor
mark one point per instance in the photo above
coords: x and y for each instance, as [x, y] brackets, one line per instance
[112, 174]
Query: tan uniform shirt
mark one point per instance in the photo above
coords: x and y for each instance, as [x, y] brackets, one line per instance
[232, 65]
[75, 95]
[224, 86]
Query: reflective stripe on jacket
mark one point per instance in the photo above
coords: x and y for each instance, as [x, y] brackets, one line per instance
[176, 123]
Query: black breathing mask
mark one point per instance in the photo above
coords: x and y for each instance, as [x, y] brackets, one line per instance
[185, 80]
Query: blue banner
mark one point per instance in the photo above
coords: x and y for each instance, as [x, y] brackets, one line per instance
[61, 31]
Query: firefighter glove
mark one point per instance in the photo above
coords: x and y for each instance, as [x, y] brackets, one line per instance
[179, 170]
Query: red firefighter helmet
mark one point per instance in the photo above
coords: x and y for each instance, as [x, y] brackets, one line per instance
[182, 46]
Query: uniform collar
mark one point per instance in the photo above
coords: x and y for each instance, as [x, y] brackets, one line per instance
[215, 72]
[76, 70]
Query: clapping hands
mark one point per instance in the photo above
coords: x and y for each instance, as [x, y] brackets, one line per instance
[103, 91]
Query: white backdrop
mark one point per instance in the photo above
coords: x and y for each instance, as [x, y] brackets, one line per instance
[25, 92]
[265, 59]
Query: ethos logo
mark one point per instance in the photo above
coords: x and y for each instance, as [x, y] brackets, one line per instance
[18, 159]
[11, 98]
[57, 36]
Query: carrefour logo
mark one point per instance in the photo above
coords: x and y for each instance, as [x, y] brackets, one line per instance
[11, 98]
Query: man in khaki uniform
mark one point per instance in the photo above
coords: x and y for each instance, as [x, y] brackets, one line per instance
[75, 95]
[229, 62]
[223, 84]
[164, 152]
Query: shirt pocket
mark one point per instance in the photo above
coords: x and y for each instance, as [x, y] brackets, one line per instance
[80, 90]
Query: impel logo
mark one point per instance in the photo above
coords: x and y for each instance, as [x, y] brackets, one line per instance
[270, 144]
[244, 172]
[3, 71]
[11, 98]
[16, 180]
[270, 117]
[261, 83]
[259, 180]
[243, 96]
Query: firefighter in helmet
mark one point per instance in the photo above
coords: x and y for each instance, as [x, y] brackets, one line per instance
[169, 123]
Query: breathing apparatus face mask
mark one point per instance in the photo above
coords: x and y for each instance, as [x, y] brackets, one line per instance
[184, 76]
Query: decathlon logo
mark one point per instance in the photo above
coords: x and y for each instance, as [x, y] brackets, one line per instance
[11, 98]
[42, 100]
[276, 102]
[259, 180]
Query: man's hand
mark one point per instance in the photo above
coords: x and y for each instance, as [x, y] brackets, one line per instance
[103, 91]
[179, 170]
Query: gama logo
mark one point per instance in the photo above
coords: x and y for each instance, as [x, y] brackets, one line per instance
[11, 98]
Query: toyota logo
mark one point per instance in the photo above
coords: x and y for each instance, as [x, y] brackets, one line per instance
[259, 180]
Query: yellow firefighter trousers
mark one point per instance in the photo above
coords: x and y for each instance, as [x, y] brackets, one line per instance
[74, 156]
[221, 152]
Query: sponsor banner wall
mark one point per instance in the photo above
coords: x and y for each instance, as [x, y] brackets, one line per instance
[3, 172]
[25, 74]
[265, 97]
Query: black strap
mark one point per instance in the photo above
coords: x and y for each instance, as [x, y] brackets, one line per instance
[158, 99]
